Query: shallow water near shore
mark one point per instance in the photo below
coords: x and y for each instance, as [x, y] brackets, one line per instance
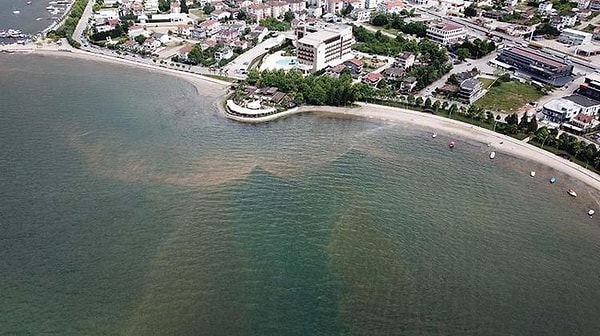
[129, 206]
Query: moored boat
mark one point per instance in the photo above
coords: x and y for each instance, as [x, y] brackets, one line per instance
[552, 179]
[16, 12]
[434, 135]
[591, 212]
[492, 155]
[451, 144]
[572, 192]
[532, 173]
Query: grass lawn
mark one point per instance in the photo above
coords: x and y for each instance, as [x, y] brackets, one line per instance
[485, 82]
[508, 97]
[199, 13]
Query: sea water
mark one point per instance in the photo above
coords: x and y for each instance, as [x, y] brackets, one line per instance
[129, 206]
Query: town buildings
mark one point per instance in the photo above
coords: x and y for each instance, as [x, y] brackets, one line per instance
[470, 89]
[446, 33]
[591, 86]
[327, 47]
[538, 66]
[574, 37]
[565, 109]
[404, 60]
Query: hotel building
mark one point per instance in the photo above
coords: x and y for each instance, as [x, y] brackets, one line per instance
[327, 47]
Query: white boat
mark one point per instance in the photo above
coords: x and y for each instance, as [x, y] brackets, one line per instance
[16, 12]
[572, 192]
[492, 155]
[591, 212]
[434, 135]
[532, 173]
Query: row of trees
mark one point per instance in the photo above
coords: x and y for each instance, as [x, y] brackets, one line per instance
[272, 23]
[475, 49]
[313, 89]
[68, 27]
[396, 21]
[568, 143]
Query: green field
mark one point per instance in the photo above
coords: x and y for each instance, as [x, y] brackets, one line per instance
[199, 13]
[508, 96]
[485, 82]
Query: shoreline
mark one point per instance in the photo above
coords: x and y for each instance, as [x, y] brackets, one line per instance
[206, 86]
[217, 89]
[498, 142]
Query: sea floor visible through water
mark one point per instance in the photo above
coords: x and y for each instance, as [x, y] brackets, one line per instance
[130, 206]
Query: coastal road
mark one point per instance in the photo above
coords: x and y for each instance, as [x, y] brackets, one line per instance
[83, 22]
[238, 67]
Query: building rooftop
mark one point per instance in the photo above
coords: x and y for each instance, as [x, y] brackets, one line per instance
[538, 57]
[576, 32]
[393, 72]
[582, 100]
[317, 38]
[469, 84]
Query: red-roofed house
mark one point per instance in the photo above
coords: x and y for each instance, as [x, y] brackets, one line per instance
[355, 65]
[391, 7]
[372, 78]
[446, 33]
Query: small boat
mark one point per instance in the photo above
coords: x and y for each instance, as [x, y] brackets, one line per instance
[451, 144]
[552, 179]
[28, 2]
[16, 12]
[572, 192]
[492, 155]
[434, 135]
[591, 212]
[532, 173]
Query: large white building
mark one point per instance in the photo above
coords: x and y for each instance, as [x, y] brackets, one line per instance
[327, 47]
[564, 109]
[446, 33]
[574, 37]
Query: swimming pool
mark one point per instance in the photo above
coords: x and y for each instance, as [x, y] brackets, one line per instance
[286, 62]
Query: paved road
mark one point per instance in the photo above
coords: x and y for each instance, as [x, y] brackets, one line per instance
[83, 22]
[238, 67]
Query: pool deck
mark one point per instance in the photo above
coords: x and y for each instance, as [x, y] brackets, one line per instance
[270, 62]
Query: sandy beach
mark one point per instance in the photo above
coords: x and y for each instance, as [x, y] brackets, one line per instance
[498, 142]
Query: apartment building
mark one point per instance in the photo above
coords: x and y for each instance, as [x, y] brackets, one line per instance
[446, 33]
[327, 47]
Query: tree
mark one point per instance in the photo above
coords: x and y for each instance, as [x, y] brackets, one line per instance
[164, 5]
[471, 11]
[140, 39]
[379, 20]
[436, 105]
[253, 76]
[288, 16]
[524, 121]
[347, 10]
[184, 7]
[462, 53]
[532, 126]
[419, 101]
[512, 119]
[427, 103]
[241, 15]
[208, 8]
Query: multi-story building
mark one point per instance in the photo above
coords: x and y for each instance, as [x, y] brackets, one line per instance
[404, 60]
[590, 86]
[539, 66]
[470, 89]
[446, 33]
[574, 37]
[327, 47]
[564, 109]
